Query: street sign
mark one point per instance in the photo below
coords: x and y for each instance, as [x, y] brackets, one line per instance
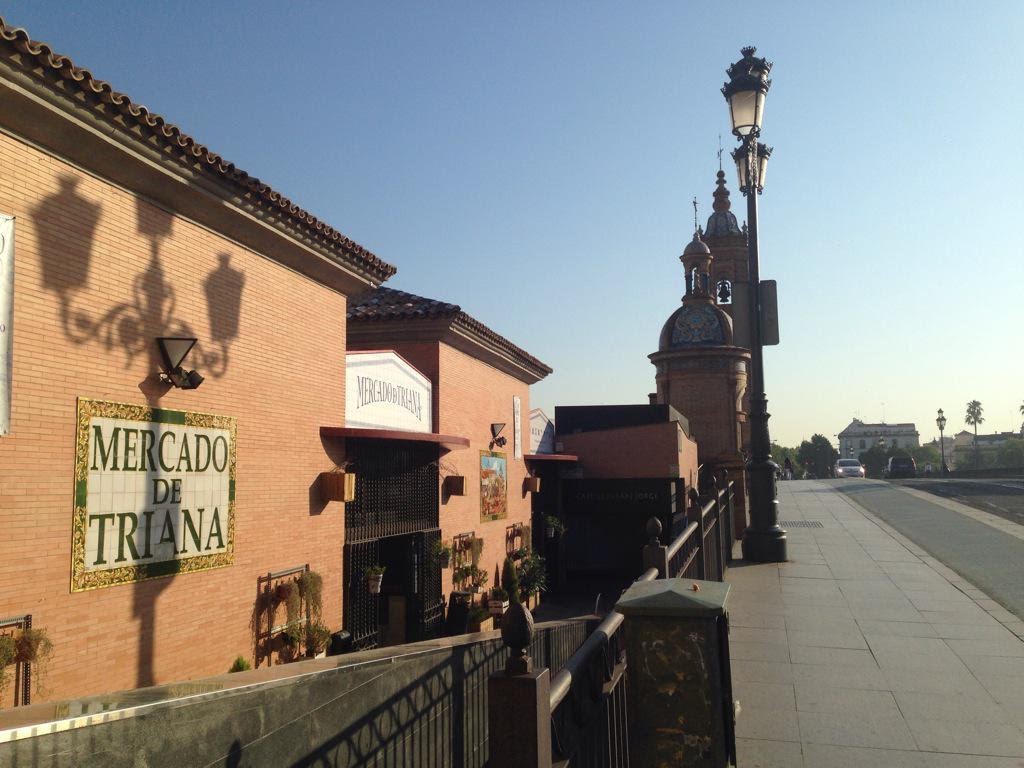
[769, 313]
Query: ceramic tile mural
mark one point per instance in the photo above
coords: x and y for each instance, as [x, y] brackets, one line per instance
[154, 493]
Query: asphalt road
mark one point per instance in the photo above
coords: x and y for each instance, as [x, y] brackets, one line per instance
[998, 497]
[993, 561]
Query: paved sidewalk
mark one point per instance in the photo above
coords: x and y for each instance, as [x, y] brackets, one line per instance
[864, 651]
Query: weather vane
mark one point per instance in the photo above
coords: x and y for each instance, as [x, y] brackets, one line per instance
[719, 151]
[696, 221]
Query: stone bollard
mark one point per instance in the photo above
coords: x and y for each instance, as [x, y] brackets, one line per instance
[519, 701]
[655, 554]
[679, 690]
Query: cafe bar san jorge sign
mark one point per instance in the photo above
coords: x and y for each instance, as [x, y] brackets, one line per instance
[154, 493]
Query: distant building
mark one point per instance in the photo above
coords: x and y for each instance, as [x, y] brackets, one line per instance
[542, 432]
[858, 437]
[988, 447]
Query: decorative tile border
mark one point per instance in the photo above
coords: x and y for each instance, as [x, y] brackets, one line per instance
[84, 579]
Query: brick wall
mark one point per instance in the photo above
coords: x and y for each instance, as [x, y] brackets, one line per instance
[472, 396]
[651, 450]
[91, 260]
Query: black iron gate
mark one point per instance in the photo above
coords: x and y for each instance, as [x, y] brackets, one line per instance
[426, 606]
[393, 521]
[361, 609]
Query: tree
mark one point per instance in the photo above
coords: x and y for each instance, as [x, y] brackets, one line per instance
[973, 419]
[926, 454]
[818, 456]
[1011, 454]
[874, 460]
[779, 455]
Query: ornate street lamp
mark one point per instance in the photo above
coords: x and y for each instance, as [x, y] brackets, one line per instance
[763, 540]
[940, 422]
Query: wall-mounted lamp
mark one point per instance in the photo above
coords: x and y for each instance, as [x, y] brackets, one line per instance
[495, 432]
[173, 351]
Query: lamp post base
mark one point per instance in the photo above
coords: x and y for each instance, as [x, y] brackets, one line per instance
[764, 541]
[764, 546]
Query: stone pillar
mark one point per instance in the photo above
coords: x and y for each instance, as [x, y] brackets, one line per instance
[679, 692]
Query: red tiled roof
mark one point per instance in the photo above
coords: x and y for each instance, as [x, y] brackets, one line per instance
[385, 304]
[39, 61]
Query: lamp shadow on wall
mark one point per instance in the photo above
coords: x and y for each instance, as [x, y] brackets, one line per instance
[65, 225]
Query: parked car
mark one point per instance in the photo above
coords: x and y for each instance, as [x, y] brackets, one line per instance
[901, 466]
[849, 468]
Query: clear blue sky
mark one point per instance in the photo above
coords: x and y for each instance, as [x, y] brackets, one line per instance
[534, 162]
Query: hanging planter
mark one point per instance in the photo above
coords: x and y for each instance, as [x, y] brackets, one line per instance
[283, 591]
[531, 484]
[442, 553]
[553, 527]
[338, 486]
[374, 578]
[455, 485]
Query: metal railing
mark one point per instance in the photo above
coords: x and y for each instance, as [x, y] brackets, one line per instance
[586, 702]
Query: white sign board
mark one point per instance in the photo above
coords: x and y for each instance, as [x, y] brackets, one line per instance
[6, 320]
[154, 493]
[382, 391]
[542, 432]
[517, 425]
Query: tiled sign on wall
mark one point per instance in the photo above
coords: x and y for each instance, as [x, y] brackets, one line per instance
[154, 493]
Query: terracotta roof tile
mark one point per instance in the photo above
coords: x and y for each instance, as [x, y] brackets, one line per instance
[59, 72]
[384, 304]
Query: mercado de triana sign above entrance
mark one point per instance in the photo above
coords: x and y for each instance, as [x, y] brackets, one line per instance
[382, 391]
[154, 493]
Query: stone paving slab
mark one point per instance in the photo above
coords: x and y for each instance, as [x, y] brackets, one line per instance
[864, 651]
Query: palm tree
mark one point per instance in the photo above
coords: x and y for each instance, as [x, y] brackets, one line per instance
[974, 418]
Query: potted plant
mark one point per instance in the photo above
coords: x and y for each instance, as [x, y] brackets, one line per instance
[462, 574]
[532, 578]
[553, 527]
[479, 619]
[317, 638]
[442, 553]
[241, 665]
[498, 603]
[531, 484]
[294, 634]
[478, 580]
[374, 578]
[338, 485]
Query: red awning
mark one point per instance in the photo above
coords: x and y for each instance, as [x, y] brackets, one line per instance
[567, 457]
[448, 442]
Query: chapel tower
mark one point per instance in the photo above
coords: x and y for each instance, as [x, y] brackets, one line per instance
[728, 244]
[703, 374]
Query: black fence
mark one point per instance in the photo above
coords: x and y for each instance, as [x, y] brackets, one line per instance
[587, 703]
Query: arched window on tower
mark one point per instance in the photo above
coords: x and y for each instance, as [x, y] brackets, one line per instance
[724, 292]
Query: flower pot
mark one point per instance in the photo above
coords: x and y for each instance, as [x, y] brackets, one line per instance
[444, 559]
[337, 486]
[497, 607]
[531, 485]
[373, 583]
